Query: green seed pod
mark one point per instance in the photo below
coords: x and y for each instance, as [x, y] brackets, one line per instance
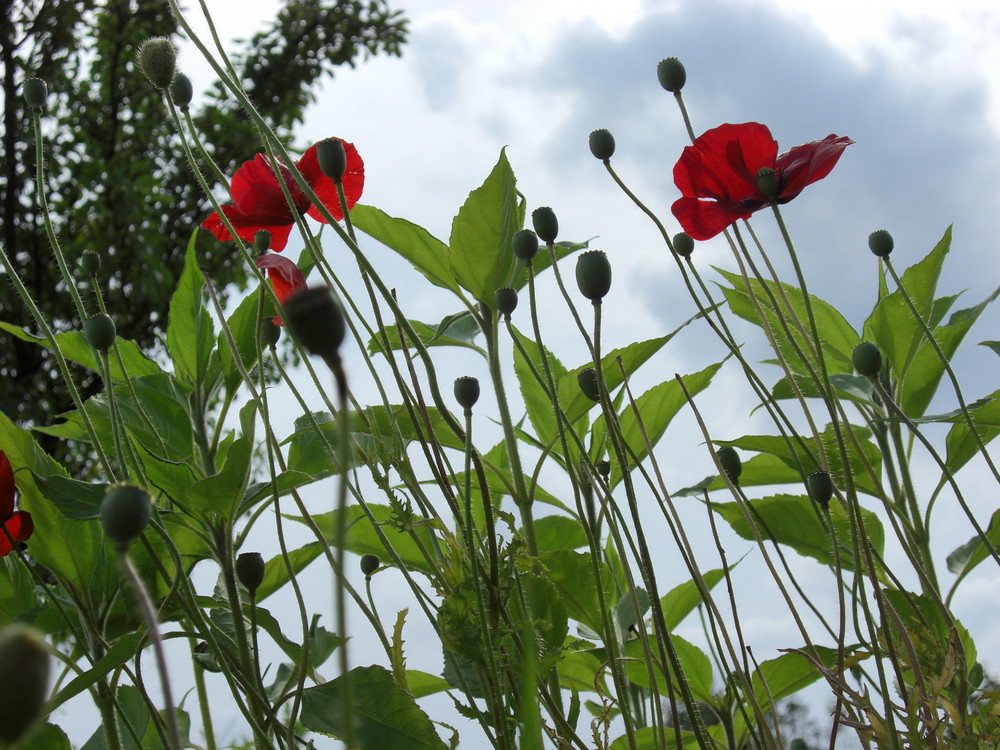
[369, 564]
[467, 392]
[880, 243]
[671, 74]
[250, 570]
[867, 359]
[593, 274]
[587, 379]
[545, 223]
[181, 91]
[798, 744]
[332, 158]
[99, 331]
[683, 244]
[24, 679]
[731, 462]
[819, 484]
[604, 468]
[602, 144]
[767, 182]
[505, 300]
[90, 262]
[125, 513]
[35, 92]
[524, 245]
[270, 332]
[315, 318]
[261, 241]
[205, 657]
[158, 60]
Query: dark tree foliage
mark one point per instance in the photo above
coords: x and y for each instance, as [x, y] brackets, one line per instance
[117, 182]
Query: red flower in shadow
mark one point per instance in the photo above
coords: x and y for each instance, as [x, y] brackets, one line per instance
[17, 524]
[717, 174]
[285, 277]
[258, 202]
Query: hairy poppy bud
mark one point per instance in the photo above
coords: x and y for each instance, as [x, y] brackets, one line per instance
[671, 74]
[593, 274]
[24, 679]
[466, 392]
[316, 320]
[602, 144]
[820, 487]
[158, 60]
[767, 182]
[205, 657]
[99, 331]
[332, 158]
[880, 242]
[604, 468]
[261, 241]
[90, 262]
[35, 92]
[867, 359]
[250, 570]
[731, 462]
[369, 564]
[683, 244]
[587, 380]
[181, 91]
[125, 513]
[505, 300]
[545, 223]
[524, 244]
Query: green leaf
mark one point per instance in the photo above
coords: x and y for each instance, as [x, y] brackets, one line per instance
[121, 652]
[559, 532]
[190, 332]
[963, 559]
[384, 715]
[961, 444]
[695, 664]
[681, 600]
[537, 400]
[421, 684]
[787, 674]
[221, 492]
[45, 737]
[993, 345]
[459, 329]
[276, 572]
[242, 326]
[573, 576]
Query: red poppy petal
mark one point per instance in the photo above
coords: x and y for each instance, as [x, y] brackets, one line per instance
[705, 219]
[20, 527]
[6, 486]
[256, 191]
[247, 226]
[324, 187]
[285, 277]
[808, 163]
[722, 163]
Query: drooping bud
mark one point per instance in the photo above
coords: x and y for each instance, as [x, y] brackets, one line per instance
[250, 570]
[125, 513]
[819, 484]
[602, 144]
[158, 60]
[99, 331]
[332, 158]
[767, 182]
[683, 244]
[261, 241]
[24, 679]
[587, 380]
[604, 468]
[545, 223]
[270, 332]
[880, 242]
[867, 359]
[671, 74]
[467, 392]
[315, 318]
[181, 91]
[593, 274]
[369, 564]
[731, 462]
[36, 93]
[90, 262]
[524, 245]
[505, 300]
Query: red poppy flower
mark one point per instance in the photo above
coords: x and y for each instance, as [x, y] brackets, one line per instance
[285, 277]
[258, 202]
[17, 523]
[717, 174]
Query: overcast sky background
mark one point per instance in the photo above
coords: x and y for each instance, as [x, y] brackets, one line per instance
[916, 85]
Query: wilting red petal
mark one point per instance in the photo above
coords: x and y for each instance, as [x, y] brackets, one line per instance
[247, 226]
[324, 187]
[6, 487]
[285, 277]
[20, 527]
[722, 163]
[808, 163]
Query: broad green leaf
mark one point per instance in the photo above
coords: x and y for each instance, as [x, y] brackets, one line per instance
[276, 571]
[573, 576]
[651, 738]
[695, 664]
[929, 630]
[559, 532]
[242, 326]
[681, 600]
[384, 715]
[537, 400]
[787, 674]
[543, 261]
[190, 332]
[121, 652]
[992, 345]
[45, 737]
[421, 684]
[221, 492]
[963, 559]
[78, 500]
[961, 443]
[460, 329]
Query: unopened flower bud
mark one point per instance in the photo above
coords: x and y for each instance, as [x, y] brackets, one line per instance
[35, 92]
[867, 359]
[602, 144]
[505, 300]
[181, 91]
[261, 241]
[466, 392]
[683, 244]
[99, 331]
[593, 274]
[731, 463]
[604, 468]
[671, 74]
[880, 242]
[125, 513]
[524, 245]
[369, 564]
[270, 332]
[587, 380]
[24, 679]
[820, 487]
[317, 321]
[158, 60]
[767, 182]
[332, 158]
[250, 570]
[90, 262]
[545, 223]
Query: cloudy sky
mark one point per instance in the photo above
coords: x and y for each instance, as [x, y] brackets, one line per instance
[917, 86]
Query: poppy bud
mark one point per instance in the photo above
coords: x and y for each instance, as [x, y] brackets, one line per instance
[545, 223]
[880, 242]
[587, 380]
[593, 274]
[261, 241]
[369, 564]
[270, 332]
[731, 462]
[505, 300]
[35, 92]
[99, 331]
[820, 487]
[466, 392]
[767, 182]
[332, 158]
[671, 74]
[24, 679]
[602, 144]
[683, 244]
[125, 513]
[181, 91]
[205, 658]
[604, 468]
[158, 60]
[317, 321]
[524, 244]
[250, 570]
[90, 262]
[867, 359]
